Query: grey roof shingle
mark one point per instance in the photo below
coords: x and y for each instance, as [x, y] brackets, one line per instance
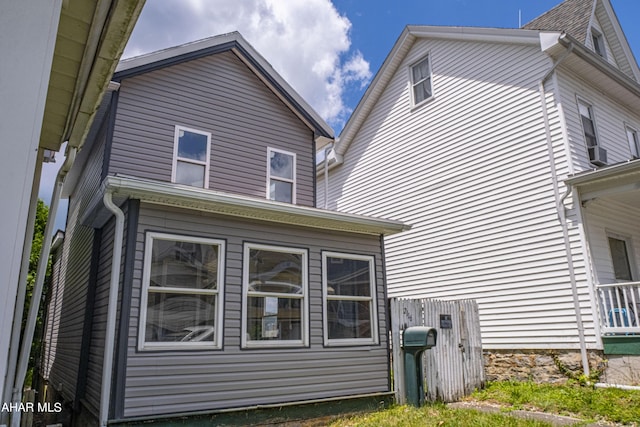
[570, 16]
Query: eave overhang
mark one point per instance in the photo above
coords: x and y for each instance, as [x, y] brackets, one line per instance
[595, 70]
[618, 179]
[91, 38]
[175, 195]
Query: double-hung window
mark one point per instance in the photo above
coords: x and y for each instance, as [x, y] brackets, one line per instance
[182, 292]
[274, 296]
[281, 175]
[588, 126]
[634, 142]
[191, 154]
[421, 81]
[348, 283]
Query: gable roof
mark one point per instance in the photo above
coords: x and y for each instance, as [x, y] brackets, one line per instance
[399, 51]
[237, 44]
[570, 16]
[576, 18]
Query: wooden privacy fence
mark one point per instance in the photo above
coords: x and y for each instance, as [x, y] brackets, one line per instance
[454, 367]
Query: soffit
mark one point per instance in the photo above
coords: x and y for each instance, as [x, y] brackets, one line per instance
[90, 40]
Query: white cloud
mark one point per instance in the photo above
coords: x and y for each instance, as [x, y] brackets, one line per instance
[307, 42]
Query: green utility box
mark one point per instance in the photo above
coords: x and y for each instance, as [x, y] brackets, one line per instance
[415, 340]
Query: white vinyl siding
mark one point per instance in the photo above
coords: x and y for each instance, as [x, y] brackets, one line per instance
[470, 173]
[612, 118]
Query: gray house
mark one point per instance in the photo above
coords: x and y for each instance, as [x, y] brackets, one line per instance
[196, 274]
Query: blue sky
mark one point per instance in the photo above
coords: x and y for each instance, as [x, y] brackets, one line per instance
[327, 50]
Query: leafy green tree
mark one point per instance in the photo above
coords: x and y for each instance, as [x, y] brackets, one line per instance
[42, 212]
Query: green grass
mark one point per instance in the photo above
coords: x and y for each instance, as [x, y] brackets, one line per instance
[434, 415]
[620, 406]
[584, 402]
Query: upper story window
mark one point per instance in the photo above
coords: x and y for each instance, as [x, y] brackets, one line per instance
[421, 81]
[634, 142]
[598, 43]
[281, 176]
[348, 283]
[191, 154]
[182, 292]
[274, 296]
[597, 154]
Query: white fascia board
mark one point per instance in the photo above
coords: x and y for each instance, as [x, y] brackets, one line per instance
[477, 34]
[609, 172]
[169, 194]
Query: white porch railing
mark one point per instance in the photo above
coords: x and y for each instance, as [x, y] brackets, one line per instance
[619, 308]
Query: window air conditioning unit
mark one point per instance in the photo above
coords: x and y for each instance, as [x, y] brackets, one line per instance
[597, 155]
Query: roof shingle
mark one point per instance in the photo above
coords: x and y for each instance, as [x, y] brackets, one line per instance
[570, 16]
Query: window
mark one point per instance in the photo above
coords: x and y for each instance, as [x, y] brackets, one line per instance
[588, 126]
[182, 292]
[620, 257]
[281, 179]
[421, 81]
[274, 296]
[634, 142]
[349, 299]
[191, 153]
[598, 43]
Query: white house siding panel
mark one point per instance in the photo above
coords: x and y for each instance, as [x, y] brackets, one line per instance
[610, 118]
[470, 171]
[159, 382]
[216, 94]
[71, 289]
[52, 321]
[609, 216]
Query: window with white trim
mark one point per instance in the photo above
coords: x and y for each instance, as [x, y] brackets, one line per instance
[281, 175]
[421, 81]
[191, 155]
[182, 292]
[634, 142]
[274, 296]
[588, 124]
[349, 291]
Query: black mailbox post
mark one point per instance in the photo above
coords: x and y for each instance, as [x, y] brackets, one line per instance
[415, 340]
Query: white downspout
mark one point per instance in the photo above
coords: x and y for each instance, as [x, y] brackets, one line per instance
[561, 212]
[326, 176]
[27, 339]
[107, 365]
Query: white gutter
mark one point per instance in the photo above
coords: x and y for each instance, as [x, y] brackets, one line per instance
[27, 339]
[561, 211]
[107, 365]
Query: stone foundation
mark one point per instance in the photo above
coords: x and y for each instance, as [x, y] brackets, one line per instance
[541, 366]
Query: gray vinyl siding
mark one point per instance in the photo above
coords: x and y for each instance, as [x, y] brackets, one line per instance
[470, 171]
[50, 338]
[160, 382]
[216, 94]
[70, 290]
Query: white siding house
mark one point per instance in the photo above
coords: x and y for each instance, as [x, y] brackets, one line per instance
[478, 138]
